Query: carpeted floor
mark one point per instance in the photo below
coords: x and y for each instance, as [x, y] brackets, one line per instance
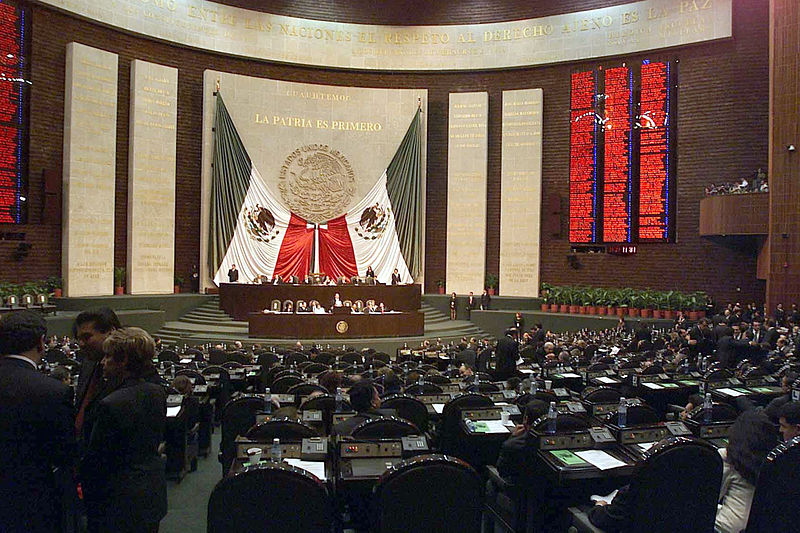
[188, 500]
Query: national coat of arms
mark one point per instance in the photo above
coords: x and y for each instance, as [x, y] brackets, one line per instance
[373, 222]
[260, 223]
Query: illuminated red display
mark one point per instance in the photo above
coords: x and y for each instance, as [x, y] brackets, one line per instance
[616, 155]
[11, 113]
[654, 153]
[583, 160]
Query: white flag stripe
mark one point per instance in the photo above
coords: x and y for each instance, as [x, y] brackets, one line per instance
[253, 250]
[381, 250]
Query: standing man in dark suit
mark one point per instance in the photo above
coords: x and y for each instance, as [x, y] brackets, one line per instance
[396, 277]
[91, 329]
[470, 304]
[732, 348]
[486, 300]
[233, 274]
[771, 334]
[122, 475]
[36, 430]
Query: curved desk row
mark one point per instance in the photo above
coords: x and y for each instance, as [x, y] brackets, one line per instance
[335, 326]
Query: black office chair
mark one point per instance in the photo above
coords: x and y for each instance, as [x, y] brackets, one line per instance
[326, 404]
[653, 370]
[270, 497]
[384, 428]
[598, 366]
[662, 500]
[199, 379]
[352, 358]
[381, 356]
[232, 365]
[283, 384]
[267, 359]
[281, 428]
[721, 412]
[316, 368]
[409, 408]
[269, 376]
[606, 395]
[223, 394]
[637, 415]
[437, 379]
[286, 372]
[400, 504]
[238, 417]
[426, 388]
[564, 422]
[305, 389]
[168, 355]
[483, 387]
[449, 428]
[528, 353]
[294, 358]
[777, 491]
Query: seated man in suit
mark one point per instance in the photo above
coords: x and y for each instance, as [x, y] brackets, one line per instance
[36, 429]
[515, 455]
[365, 401]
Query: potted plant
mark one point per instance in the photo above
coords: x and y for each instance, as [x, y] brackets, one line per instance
[555, 298]
[178, 284]
[440, 285]
[696, 303]
[573, 299]
[544, 294]
[54, 286]
[648, 303]
[119, 280]
[674, 299]
[491, 283]
[601, 301]
[624, 301]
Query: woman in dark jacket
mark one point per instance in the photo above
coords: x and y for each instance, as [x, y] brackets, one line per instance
[121, 473]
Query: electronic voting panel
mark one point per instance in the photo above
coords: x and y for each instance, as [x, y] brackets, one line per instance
[366, 460]
[568, 456]
[310, 454]
[637, 440]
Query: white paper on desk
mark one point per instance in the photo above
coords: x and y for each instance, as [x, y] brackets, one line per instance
[496, 426]
[608, 498]
[173, 411]
[315, 467]
[646, 445]
[186, 361]
[525, 370]
[731, 392]
[600, 459]
[520, 361]
[444, 357]
[570, 375]
[438, 407]
[606, 379]
[654, 386]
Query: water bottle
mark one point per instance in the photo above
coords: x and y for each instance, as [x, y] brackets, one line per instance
[267, 401]
[552, 415]
[708, 408]
[421, 380]
[534, 385]
[172, 371]
[339, 399]
[276, 450]
[622, 412]
[470, 425]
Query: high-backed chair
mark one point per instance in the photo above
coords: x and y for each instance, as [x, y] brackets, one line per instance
[238, 416]
[304, 389]
[483, 387]
[283, 384]
[661, 499]
[425, 388]
[274, 497]
[199, 379]
[398, 506]
[294, 358]
[352, 358]
[777, 491]
[315, 368]
[327, 404]
[409, 408]
[449, 434]
[384, 428]
[281, 428]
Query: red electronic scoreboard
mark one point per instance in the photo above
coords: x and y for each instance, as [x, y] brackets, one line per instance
[621, 179]
[654, 153]
[583, 159]
[13, 123]
[617, 155]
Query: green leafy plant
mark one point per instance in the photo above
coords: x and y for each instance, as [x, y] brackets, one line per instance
[179, 281]
[119, 276]
[491, 281]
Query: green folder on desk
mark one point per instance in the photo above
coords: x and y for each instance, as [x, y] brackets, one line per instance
[567, 457]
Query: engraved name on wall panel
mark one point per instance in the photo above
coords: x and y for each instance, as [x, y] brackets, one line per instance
[151, 178]
[466, 192]
[90, 121]
[521, 192]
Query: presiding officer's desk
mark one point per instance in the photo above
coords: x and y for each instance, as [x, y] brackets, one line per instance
[239, 299]
[335, 326]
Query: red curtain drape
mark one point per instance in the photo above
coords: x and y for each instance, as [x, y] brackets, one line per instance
[336, 256]
[294, 257]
